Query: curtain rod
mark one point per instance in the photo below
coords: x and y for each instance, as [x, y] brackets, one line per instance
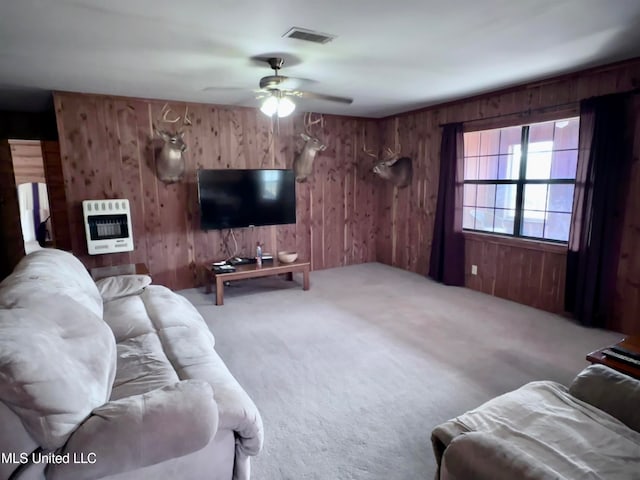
[518, 114]
[549, 108]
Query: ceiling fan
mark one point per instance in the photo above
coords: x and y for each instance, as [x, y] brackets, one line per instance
[274, 88]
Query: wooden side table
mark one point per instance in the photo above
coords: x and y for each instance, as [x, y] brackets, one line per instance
[629, 343]
[129, 269]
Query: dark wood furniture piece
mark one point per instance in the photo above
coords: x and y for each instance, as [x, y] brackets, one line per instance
[630, 343]
[129, 269]
[253, 270]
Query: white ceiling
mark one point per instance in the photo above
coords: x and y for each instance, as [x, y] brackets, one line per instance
[390, 56]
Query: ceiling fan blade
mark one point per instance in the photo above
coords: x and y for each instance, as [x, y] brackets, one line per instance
[224, 89]
[283, 82]
[322, 96]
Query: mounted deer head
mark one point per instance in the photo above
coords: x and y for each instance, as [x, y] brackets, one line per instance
[170, 159]
[398, 170]
[303, 163]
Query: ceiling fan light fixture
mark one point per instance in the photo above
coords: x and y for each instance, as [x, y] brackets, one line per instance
[269, 106]
[279, 104]
[285, 107]
[277, 89]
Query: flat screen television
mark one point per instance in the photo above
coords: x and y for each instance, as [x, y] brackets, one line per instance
[244, 198]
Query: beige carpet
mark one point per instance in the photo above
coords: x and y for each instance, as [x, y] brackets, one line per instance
[352, 376]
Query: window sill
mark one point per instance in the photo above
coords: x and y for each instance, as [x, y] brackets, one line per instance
[516, 242]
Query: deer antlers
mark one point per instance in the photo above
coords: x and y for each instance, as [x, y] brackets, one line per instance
[392, 154]
[389, 155]
[164, 114]
[308, 122]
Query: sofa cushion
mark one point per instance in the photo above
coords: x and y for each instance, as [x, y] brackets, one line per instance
[610, 391]
[142, 362]
[141, 430]
[112, 288]
[142, 367]
[157, 332]
[57, 363]
[50, 271]
[127, 318]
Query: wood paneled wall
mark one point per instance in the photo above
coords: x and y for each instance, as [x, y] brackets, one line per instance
[57, 197]
[107, 148]
[405, 221]
[28, 165]
[524, 271]
[11, 241]
[627, 304]
[406, 215]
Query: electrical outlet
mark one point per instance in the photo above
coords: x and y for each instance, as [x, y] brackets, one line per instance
[474, 269]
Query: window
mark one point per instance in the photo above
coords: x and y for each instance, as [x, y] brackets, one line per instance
[519, 180]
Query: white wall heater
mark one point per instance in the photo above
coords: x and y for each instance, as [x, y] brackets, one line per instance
[107, 224]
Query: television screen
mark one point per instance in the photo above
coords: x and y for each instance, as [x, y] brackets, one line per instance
[245, 198]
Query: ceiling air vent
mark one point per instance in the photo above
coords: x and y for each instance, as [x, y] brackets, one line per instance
[308, 35]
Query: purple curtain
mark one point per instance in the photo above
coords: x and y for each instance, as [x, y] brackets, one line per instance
[447, 250]
[602, 178]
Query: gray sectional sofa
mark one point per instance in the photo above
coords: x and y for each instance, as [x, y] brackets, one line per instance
[114, 379]
[546, 431]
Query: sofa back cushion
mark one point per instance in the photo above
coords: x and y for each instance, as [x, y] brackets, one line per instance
[50, 271]
[611, 391]
[120, 286]
[57, 363]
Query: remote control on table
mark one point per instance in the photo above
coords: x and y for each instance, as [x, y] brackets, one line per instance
[622, 358]
[625, 352]
[224, 268]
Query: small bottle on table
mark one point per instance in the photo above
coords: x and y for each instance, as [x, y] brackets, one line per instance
[258, 254]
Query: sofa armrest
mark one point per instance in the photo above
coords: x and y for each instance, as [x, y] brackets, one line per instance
[443, 435]
[480, 456]
[141, 430]
[611, 391]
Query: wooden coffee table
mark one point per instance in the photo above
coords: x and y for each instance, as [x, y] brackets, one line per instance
[632, 344]
[253, 270]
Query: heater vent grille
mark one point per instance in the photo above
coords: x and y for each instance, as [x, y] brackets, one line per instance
[308, 35]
